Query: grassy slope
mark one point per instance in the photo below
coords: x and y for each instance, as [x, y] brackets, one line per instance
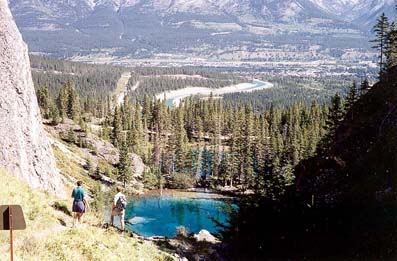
[49, 237]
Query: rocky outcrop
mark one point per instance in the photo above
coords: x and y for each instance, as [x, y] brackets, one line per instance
[205, 236]
[24, 147]
[98, 149]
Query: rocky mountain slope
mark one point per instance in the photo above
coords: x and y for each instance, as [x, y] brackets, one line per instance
[373, 10]
[25, 150]
[362, 13]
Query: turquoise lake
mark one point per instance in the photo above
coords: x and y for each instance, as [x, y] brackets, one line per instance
[156, 215]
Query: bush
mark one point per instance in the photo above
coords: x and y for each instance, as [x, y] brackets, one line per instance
[150, 180]
[102, 199]
[181, 181]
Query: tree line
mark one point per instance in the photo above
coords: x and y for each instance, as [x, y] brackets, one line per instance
[211, 142]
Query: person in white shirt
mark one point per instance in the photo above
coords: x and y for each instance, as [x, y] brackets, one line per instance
[117, 210]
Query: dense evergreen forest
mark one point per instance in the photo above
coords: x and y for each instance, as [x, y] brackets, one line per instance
[211, 143]
[95, 81]
[242, 144]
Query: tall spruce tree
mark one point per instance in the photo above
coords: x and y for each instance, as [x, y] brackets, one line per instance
[117, 127]
[44, 100]
[334, 118]
[391, 47]
[351, 99]
[124, 166]
[62, 101]
[364, 87]
[73, 102]
[381, 32]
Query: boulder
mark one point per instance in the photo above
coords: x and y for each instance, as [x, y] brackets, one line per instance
[24, 147]
[205, 236]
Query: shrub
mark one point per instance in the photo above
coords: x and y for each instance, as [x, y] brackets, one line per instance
[102, 199]
[150, 180]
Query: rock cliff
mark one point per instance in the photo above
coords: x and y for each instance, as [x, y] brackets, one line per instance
[24, 148]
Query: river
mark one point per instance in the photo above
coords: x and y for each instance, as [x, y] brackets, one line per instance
[173, 98]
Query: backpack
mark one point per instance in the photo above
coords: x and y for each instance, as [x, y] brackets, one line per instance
[121, 203]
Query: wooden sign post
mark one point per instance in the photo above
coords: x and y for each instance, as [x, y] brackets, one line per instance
[11, 218]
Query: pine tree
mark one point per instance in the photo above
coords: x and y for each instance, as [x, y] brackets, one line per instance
[159, 123]
[71, 136]
[73, 102]
[89, 166]
[97, 173]
[391, 47]
[124, 166]
[364, 87]
[247, 147]
[180, 145]
[233, 157]
[334, 118]
[117, 128]
[43, 99]
[54, 115]
[380, 30]
[62, 102]
[146, 108]
[206, 164]
[351, 99]
[105, 133]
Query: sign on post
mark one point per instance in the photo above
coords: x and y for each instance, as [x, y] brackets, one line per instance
[18, 220]
[11, 218]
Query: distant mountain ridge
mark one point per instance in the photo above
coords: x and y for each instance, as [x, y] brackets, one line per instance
[209, 28]
[347, 10]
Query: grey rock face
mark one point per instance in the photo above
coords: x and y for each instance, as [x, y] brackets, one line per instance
[24, 148]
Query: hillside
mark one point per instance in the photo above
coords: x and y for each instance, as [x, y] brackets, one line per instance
[362, 159]
[342, 204]
[49, 235]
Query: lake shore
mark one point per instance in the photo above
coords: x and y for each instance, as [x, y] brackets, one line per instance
[188, 193]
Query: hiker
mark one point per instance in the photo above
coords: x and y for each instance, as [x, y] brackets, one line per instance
[118, 207]
[79, 204]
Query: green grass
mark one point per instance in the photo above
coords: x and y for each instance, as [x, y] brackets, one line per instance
[49, 235]
[70, 168]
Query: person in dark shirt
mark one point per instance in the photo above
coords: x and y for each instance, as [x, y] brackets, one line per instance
[79, 204]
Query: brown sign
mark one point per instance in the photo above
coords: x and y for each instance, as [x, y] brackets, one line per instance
[17, 222]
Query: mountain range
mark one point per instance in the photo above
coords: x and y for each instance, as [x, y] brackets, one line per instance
[208, 29]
